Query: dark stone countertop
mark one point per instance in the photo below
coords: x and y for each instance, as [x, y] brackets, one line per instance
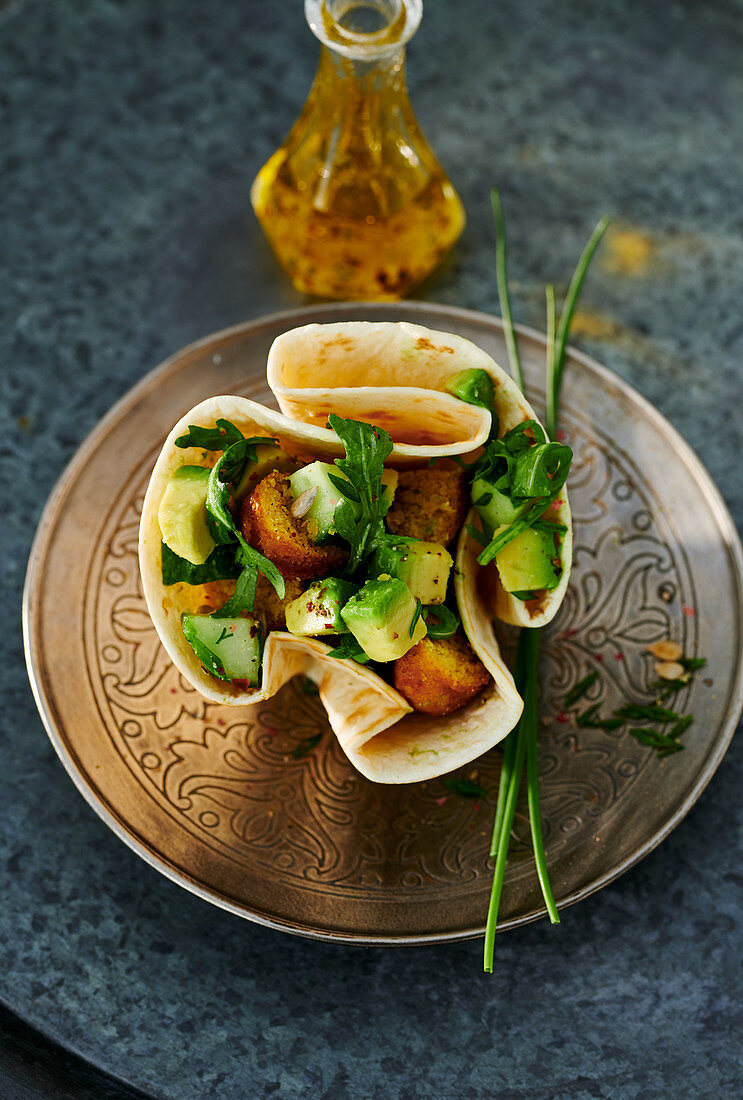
[129, 135]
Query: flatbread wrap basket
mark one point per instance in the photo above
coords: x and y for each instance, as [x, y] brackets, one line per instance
[393, 375]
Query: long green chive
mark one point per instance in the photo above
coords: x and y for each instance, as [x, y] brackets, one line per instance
[522, 742]
[566, 319]
[510, 782]
[550, 354]
[532, 769]
[501, 276]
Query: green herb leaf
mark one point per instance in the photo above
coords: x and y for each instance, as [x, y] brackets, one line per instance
[243, 598]
[367, 448]
[306, 746]
[580, 688]
[210, 439]
[465, 788]
[652, 713]
[416, 616]
[478, 535]
[475, 386]
[221, 565]
[661, 742]
[229, 468]
[541, 470]
[588, 716]
[309, 687]
[681, 726]
[691, 664]
[441, 622]
[349, 649]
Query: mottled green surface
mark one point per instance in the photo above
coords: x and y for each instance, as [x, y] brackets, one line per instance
[129, 134]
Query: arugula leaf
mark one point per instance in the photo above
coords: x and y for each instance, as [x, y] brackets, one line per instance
[360, 523]
[229, 468]
[507, 533]
[243, 598]
[541, 470]
[210, 439]
[441, 622]
[349, 648]
[221, 565]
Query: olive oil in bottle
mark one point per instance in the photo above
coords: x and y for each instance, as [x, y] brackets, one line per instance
[354, 203]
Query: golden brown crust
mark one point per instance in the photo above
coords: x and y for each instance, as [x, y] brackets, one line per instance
[267, 524]
[430, 504]
[440, 675]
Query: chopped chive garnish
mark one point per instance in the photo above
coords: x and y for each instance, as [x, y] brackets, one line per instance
[306, 746]
[681, 726]
[588, 716]
[651, 713]
[466, 788]
[580, 688]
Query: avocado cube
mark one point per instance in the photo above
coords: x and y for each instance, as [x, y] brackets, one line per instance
[423, 566]
[268, 457]
[318, 610]
[475, 386]
[494, 508]
[380, 618]
[526, 564]
[182, 514]
[228, 648]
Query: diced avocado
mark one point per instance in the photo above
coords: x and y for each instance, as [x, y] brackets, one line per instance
[318, 519]
[182, 514]
[494, 508]
[526, 563]
[268, 457]
[475, 386]
[380, 617]
[423, 566]
[228, 648]
[318, 609]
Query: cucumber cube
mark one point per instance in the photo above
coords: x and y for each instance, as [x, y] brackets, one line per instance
[228, 648]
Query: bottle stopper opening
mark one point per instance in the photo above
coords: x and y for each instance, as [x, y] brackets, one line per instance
[363, 29]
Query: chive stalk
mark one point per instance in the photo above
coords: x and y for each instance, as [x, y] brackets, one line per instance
[555, 371]
[501, 276]
[522, 743]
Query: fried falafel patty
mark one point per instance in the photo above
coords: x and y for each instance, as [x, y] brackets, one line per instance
[429, 504]
[268, 525]
[440, 675]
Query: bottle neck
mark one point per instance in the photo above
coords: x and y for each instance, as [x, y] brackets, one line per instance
[373, 32]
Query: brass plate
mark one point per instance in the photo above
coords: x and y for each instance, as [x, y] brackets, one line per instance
[212, 796]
